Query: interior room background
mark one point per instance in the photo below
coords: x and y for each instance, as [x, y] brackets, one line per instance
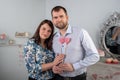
[25, 16]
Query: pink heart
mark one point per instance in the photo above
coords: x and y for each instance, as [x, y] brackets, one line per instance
[62, 40]
[67, 40]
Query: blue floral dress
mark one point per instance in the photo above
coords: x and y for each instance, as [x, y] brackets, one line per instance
[35, 55]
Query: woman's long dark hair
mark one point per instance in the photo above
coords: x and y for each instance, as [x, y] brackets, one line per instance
[48, 41]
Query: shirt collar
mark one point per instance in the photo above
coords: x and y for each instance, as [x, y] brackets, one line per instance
[68, 31]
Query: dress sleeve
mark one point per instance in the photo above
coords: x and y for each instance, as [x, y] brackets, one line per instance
[30, 59]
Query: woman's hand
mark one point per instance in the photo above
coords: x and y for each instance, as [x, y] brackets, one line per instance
[58, 59]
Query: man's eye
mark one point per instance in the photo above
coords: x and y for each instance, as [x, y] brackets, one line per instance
[55, 17]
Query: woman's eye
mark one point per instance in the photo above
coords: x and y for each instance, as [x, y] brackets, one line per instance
[43, 28]
[49, 31]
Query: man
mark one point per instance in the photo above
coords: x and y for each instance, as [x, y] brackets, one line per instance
[79, 49]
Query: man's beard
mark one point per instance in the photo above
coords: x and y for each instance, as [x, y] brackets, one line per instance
[61, 25]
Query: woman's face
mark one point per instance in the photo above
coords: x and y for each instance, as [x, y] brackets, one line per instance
[45, 31]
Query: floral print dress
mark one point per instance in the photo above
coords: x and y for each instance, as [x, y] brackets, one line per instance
[35, 55]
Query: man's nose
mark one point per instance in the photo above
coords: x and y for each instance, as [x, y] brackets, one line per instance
[59, 19]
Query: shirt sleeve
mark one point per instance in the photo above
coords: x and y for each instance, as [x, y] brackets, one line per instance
[90, 51]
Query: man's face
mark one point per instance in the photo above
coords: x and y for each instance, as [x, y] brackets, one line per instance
[59, 19]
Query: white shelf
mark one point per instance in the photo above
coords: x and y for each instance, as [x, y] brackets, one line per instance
[4, 45]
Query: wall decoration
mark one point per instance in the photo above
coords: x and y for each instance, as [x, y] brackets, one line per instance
[5, 40]
[3, 36]
[21, 56]
[11, 41]
[107, 44]
[22, 34]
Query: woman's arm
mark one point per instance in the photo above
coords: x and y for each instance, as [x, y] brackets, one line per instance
[58, 59]
[30, 59]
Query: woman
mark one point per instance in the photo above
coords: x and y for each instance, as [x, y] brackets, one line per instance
[39, 57]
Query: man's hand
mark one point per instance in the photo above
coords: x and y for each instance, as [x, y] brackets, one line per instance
[66, 67]
[57, 70]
